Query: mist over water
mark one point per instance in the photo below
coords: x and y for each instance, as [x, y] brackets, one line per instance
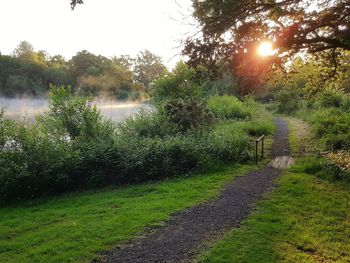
[27, 108]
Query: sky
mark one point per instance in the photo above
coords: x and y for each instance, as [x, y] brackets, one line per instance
[103, 27]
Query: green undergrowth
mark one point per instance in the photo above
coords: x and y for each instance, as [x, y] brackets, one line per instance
[306, 219]
[77, 227]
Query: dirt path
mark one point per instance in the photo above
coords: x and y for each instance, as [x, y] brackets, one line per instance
[187, 232]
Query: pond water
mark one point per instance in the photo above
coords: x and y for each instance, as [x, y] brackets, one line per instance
[27, 108]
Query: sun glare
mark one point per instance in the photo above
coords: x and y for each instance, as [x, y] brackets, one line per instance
[265, 49]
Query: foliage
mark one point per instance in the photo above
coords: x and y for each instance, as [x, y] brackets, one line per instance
[31, 73]
[226, 85]
[179, 84]
[258, 127]
[73, 116]
[227, 142]
[330, 98]
[332, 127]
[188, 114]
[338, 163]
[232, 28]
[287, 101]
[228, 107]
[148, 68]
[148, 124]
[72, 147]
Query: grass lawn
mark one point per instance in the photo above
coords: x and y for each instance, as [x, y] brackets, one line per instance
[300, 137]
[306, 219]
[76, 227]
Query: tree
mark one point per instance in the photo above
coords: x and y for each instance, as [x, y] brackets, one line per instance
[181, 83]
[25, 51]
[8, 67]
[230, 28]
[86, 63]
[124, 60]
[73, 3]
[148, 68]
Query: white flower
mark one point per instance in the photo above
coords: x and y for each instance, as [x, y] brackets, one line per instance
[12, 145]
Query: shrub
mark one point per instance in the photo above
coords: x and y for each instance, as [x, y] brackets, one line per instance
[332, 126]
[73, 147]
[33, 163]
[148, 124]
[134, 159]
[180, 84]
[258, 127]
[287, 101]
[339, 164]
[329, 98]
[228, 107]
[225, 86]
[228, 143]
[73, 117]
[188, 114]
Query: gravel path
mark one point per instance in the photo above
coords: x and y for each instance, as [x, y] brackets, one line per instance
[189, 231]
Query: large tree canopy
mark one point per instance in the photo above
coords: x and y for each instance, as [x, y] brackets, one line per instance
[231, 27]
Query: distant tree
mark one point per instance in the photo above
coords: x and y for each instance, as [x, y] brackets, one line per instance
[8, 66]
[57, 61]
[25, 51]
[124, 60]
[43, 56]
[86, 63]
[148, 68]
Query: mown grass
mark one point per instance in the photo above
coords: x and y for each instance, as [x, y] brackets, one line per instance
[76, 227]
[300, 137]
[306, 219]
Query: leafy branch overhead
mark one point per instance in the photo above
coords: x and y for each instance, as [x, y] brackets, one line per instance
[73, 3]
[235, 27]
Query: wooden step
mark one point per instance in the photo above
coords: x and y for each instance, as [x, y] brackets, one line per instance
[282, 162]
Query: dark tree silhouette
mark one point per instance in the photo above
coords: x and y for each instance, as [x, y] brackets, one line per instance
[73, 3]
[235, 27]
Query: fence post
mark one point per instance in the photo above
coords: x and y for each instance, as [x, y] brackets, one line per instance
[262, 148]
[257, 150]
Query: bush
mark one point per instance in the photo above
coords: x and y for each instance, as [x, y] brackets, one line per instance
[73, 117]
[73, 147]
[330, 98]
[225, 86]
[148, 124]
[287, 101]
[228, 143]
[33, 163]
[180, 84]
[332, 126]
[188, 114]
[228, 107]
[134, 159]
[258, 127]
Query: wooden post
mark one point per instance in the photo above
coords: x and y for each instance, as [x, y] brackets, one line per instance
[262, 148]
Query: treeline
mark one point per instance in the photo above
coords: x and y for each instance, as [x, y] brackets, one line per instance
[30, 73]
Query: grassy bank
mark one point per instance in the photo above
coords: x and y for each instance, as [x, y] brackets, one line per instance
[76, 227]
[306, 219]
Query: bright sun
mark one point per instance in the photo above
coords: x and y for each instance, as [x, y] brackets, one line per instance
[265, 49]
